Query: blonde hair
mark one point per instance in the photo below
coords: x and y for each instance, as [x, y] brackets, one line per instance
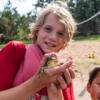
[63, 15]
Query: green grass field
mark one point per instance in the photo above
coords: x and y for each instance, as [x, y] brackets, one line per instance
[78, 38]
[26, 42]
[87, 38]
[2, 45]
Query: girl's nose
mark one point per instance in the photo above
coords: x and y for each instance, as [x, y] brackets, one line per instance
[53, 36]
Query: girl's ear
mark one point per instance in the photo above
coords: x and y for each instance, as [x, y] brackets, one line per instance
[88, 87]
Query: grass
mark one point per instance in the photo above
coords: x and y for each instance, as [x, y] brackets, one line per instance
[87, 62]
[26, 42]
[87, 38]
[85, 66]
[77, 38]
[96, 61]
[2, 45]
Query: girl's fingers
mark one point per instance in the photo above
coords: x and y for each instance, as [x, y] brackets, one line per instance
[62, 82]
[67, 76]
[72, 73]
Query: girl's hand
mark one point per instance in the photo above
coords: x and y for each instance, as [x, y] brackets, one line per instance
[51, 75]
[54, 93]
[67, 76]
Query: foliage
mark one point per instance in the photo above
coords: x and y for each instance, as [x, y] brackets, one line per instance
[13, 25]
[81, 10]
[84, 9]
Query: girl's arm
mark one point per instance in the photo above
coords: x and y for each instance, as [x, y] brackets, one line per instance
[54, 93]
[23, 91]
[37, 82]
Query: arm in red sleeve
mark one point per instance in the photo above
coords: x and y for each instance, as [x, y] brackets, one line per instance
[10, 59]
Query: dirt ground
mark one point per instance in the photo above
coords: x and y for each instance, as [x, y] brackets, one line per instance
[80, 52]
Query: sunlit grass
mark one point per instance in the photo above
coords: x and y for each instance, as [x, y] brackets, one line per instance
[87, 38]
[84, 66]
[2, 45]
[77, 38]
[25, 42]
[95, 61]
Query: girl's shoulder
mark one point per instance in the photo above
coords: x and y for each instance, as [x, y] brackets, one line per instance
[13, 45]
[11, 56]
[14, 49]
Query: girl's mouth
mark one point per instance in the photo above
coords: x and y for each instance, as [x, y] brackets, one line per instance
[50, 44]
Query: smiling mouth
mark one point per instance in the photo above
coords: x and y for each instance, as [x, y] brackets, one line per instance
[50, 44]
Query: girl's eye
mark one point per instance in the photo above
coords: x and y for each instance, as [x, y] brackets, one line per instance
[47, 29]
[60, 34]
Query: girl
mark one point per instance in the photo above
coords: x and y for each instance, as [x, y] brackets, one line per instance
[52, 31]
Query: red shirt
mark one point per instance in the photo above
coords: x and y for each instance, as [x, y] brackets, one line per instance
[10, 59]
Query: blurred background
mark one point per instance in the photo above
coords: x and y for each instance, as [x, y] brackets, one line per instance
[17, 15]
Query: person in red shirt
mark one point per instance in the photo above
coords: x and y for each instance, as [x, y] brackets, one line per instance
[52, 31]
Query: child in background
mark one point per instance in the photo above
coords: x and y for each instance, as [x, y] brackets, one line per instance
[93, 85]
[52, 31]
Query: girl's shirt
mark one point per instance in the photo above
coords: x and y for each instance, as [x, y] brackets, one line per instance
[30, 66]
[11, 56]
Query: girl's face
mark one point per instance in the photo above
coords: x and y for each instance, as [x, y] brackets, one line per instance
[51, 35]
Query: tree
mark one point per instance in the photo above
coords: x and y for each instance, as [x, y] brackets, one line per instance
[84, 9]
[10, 19]
[12, 24]
[43, 3]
